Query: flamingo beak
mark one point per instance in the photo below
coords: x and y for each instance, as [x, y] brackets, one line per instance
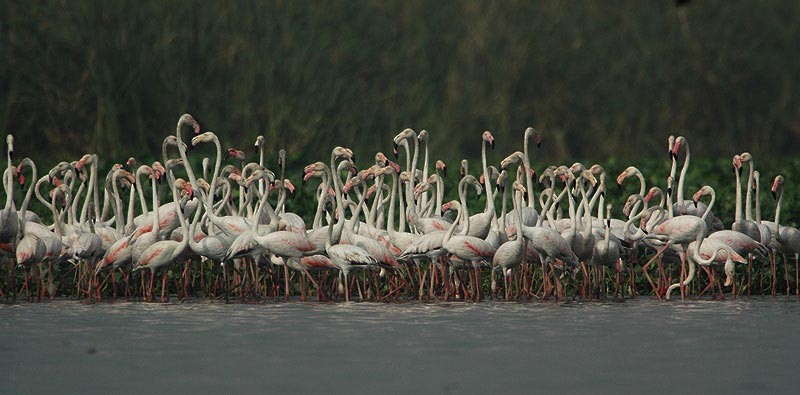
[669, 192]
[394, 150]
[695, 202]
[774, 195]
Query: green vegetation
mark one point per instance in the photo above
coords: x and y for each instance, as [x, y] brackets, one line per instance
[602, 82]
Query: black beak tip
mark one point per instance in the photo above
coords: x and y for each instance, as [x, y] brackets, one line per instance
[774, 195]
[695, 203]
[603, 194]
[538, 145]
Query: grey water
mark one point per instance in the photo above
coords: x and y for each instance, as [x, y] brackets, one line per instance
[635, 346]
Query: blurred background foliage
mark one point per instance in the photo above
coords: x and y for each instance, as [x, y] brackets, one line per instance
[601, 81]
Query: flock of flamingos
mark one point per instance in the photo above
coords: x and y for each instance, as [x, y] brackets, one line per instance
[381, 233]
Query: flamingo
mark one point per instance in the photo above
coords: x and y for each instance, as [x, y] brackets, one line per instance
[466, 247]
[608, 252]
[511, 253]
[163, 253]
[787, 238]
[741, 224]
[9, 222]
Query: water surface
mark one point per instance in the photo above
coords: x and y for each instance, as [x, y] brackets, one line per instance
[634, 346]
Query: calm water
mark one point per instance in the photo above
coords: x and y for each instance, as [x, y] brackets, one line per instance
[632, 347]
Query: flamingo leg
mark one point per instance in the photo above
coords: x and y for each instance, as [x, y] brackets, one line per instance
[786, 276]
[164, 287]
[647, 265]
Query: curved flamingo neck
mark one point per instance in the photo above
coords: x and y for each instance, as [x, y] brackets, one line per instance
[748, 212]
[487, 181]
[217, 164]
[682, 178]
[142, 201]
[90, 192]
[710, 205]
[778, 210]
[738, 213]
[526, 161]
[186, 164]
[8, 179]
[758, 200]
[156, 206]
[29, 193]
[453, 226]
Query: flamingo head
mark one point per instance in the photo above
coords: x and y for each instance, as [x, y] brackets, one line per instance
[517, 186]
[652, 193]
[588, 176]
[83, 161]
[502, 179]
[157, 170]
[670, 183]
[282, 158]
[172, 163]
[203, 138]
[464, 167]
[777, 183]
[289, 186]
[187, 119]
[680, 140]
[629, 172]
[341, 152]
[703, 191]
[394, 166]
[355, 181]
[514, 158]
[537, 138]
[184, 187]
[381, 159]
[406, 134]
[204, 185]
[130, 164]
[234, 153]
[421, 188]
[423, 135]
[577, 167]
[259, 143]
[737, 162]
[746, 157]
[487, 137]
[441, 166]
[10, 142]
[20, 176]
[670, 144]
[453, 204]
